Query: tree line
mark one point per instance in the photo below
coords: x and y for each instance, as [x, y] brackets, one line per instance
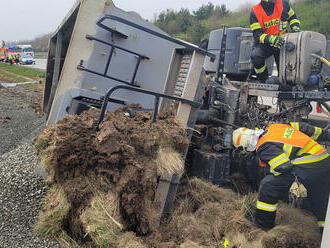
[196, 25]
[39, 44]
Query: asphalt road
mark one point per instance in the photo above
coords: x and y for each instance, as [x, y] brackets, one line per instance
[40, 64]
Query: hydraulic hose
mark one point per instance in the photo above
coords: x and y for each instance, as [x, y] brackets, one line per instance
[324, 60]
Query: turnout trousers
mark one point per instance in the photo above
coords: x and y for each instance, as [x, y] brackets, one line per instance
[316, 179]
[260, 53]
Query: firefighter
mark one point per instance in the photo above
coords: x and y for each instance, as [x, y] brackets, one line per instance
[269, 21]
[289, 153]
[10, 59]
[16, 59]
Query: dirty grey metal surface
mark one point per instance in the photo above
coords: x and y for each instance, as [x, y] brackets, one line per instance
[76, 76]
[239, 44]
[296, 65]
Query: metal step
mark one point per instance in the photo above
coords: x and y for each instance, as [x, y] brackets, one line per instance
[182, 77]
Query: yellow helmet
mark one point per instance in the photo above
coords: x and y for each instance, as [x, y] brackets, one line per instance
[246, 138]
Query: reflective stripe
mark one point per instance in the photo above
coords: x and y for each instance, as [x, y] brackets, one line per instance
[266, 207]
[274, 172]
[310, 159]
[294, 21]
[261, 70]
[317, 133]
[262, 38]
[306, 148]
[277, 161]
[316, 150]
[255, 26]
[295, 125]
[312, 148]
[291, 13]
[287, 149]
[285, 25]
[239, 139]
[321, 223]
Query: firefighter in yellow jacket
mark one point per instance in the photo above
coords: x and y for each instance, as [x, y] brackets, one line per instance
[289, 152]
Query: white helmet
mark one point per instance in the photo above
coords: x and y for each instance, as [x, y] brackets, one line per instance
[246, 138]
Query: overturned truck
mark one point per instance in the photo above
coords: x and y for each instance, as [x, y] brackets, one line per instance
[106, 58]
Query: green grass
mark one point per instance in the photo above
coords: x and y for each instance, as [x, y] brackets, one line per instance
[22, 71]
[10, 78]
[41, 55]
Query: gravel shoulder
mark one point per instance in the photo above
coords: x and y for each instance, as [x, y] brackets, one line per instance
[22, 187]
[19, 123]
[22, 190]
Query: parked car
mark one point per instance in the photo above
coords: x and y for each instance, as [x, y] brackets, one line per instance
[27, 59]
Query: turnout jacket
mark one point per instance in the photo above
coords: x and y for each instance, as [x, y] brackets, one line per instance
[282, 146]
[268, 19]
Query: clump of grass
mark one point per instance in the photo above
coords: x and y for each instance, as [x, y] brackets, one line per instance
[129, 240]
[102, 219]
[41, 144]
[249, 205]
[52, 217]
[44, 145]
[190, 244]
[44, 142]
[169, 162]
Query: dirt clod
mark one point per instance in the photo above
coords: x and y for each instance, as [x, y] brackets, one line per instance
[109, 179]
[124, 153]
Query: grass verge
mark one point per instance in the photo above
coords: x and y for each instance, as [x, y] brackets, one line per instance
[11, 78]
[22, 71]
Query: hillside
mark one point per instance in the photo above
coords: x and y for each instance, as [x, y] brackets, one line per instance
[313, 14]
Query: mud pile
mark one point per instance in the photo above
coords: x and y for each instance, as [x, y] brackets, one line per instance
[121, 161]
[104, 184]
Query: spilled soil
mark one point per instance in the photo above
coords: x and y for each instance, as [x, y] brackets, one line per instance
[104, 184]
[123, 153]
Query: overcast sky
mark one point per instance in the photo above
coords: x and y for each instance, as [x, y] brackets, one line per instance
[26, 19]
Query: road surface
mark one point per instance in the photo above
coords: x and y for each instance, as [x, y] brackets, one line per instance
[40, 64]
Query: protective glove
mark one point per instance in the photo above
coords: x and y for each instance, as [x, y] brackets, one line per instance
[295, 29]
[276, 41]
